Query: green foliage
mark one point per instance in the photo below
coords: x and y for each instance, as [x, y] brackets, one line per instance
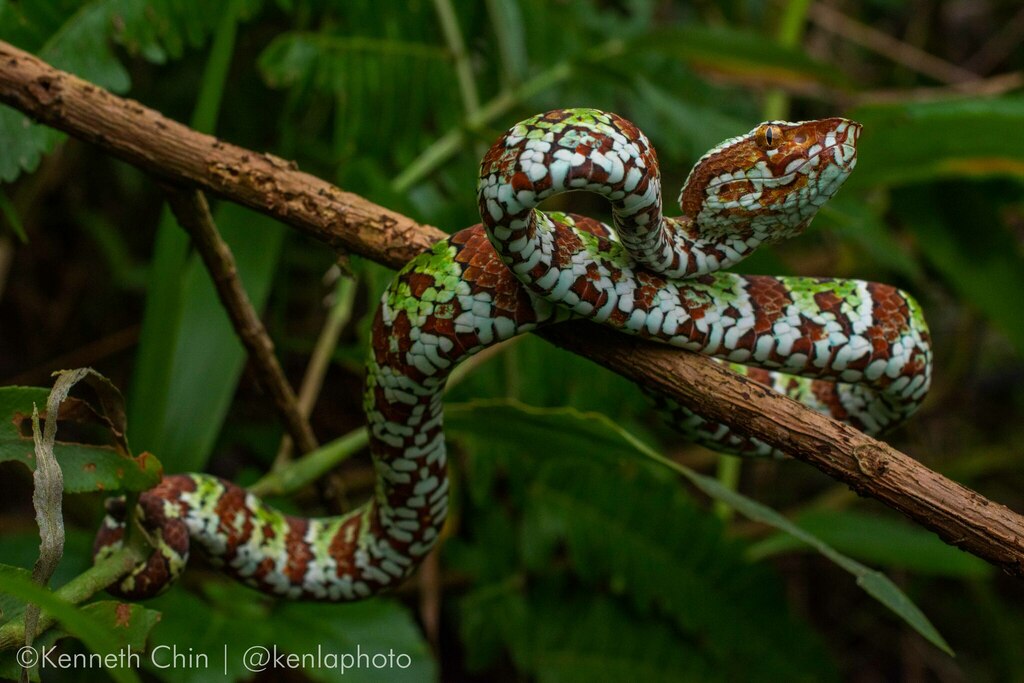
[237, 618]
[104, 627]
[78, 36]
[923, 141]
[879, 540]
[740, 54]
[981, 263]
[558, 633]
[190, 422]
[639, 536]
[104, 466]
[629, 534]
[569, 432]
[584, 561]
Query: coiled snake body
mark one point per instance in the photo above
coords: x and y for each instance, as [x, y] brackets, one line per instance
[858, 351]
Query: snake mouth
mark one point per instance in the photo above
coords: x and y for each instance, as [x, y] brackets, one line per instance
[844, 147]
[839, 147]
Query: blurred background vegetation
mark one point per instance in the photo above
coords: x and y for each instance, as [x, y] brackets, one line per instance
[567, 556]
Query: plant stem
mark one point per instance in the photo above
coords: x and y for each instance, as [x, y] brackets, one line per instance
[789, 33]
[728, 475]
[193, 214]
[320, 360]
[457, 46]
[75, 591]
[451, 142]
[311, 466]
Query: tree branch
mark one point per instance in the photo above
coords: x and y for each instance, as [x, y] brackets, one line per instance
[346, 221]
[193, 214]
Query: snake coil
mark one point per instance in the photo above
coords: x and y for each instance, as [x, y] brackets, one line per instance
[858, 351]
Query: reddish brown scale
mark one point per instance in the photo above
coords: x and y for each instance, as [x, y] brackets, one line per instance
[730, 192]
[771, 298]
[743, 155]
[890, 311]
[259, 576]
[485, 272]
[827, 393]
[771, 196]
[521, 182]
[299, 552]
[646, 294]
[501, 159]
[229, 505]
[759, 375]
[350, 529]
[629, 130]
[419, 283]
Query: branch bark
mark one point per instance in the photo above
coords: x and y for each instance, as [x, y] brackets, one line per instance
[179, 155]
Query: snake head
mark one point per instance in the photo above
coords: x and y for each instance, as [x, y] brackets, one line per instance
[769, 183]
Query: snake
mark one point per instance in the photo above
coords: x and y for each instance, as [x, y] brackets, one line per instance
[855, 350]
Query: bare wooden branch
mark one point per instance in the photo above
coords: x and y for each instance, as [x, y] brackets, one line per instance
[173, 152]
[193, 214]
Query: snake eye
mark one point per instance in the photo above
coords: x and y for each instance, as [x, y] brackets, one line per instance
[769, 136]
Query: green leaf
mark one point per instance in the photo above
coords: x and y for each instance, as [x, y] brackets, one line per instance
[161, 29]
[642, 537]
[374, 627]
[876, 584]
[88, 626]
[691, 128]
[11, 216]
[130, 623]
[232, 618]
[880, 540]
[854, 221]
[925, 140]
[78, 45]
[601, 434]
[86, 467]
[297, 57]
[24, 143]
[229, 617]
[560, 634]
[208, 358]
[165, 302]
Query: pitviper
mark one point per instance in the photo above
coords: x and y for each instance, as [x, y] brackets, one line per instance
[858, 351]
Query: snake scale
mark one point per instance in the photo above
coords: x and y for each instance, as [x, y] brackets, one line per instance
[858, 351]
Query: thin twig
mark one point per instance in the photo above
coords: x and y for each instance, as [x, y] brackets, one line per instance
[457, 46]
[998, 47]
[193, 213]
[902, 53]
[451, 142]
[169, 150]
[320, 359]
[983, 87]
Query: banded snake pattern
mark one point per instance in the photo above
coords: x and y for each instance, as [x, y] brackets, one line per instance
[858, 351]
